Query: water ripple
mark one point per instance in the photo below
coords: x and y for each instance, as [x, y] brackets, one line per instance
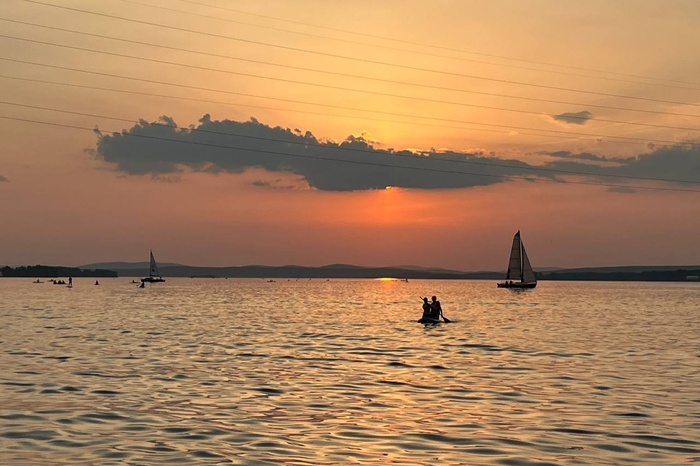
[570, 373]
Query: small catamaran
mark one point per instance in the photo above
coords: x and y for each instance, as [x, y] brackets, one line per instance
[520, 273]
[153, 275]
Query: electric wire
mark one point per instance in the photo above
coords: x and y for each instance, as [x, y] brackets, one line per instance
[397, 49]
[461, 104]
[438, 47]
[364, 60]
[348, 161]
[301, 68]
[322, 71]
[326, 146]
[568, 135]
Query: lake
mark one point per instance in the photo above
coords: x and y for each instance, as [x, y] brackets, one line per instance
[315, 372]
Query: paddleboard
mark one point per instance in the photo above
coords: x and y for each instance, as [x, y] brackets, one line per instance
[428, 320]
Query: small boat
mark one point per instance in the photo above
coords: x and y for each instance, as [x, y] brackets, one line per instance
[153, 275]
[520, 274]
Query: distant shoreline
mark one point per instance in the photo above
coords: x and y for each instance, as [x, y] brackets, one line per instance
[50, 271]
[641, 273]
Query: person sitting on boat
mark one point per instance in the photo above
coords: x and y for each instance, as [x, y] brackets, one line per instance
[427, 310]
[436, 308]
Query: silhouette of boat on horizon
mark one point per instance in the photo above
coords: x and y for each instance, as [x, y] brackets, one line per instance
[520, 274]
[153, 274]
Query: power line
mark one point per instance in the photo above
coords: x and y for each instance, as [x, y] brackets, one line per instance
[556, 133]
[438, 47]
[363, 60]
[349, 161]
[334, 73]
[461, 104]
[363, 118]
[374, 151]
[397, 49]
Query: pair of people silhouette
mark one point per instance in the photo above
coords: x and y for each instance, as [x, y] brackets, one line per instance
[433, 309]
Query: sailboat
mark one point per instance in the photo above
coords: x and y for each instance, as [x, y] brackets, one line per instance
[520, 273]
[153, 275]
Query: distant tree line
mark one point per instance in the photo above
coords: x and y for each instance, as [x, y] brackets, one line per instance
[49, 271]
[46, 271]
[678, 275]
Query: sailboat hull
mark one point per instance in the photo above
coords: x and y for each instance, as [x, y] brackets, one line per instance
[152, 280]
[517, 285]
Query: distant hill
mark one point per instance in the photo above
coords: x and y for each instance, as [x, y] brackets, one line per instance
[123, 265]
[428, 269]
[632, 273]
[52, 271]
[616, 273]
[296, 271]
[624, 269]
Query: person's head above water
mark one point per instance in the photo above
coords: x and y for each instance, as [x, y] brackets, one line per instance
[434, 298]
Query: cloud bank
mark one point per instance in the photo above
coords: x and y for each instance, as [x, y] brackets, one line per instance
[578, 118]
[672, 163]
[164, 150]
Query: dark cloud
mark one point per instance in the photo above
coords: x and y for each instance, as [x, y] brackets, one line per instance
[164, 151]
[234, 147]
[578, 118]
[673, 162]
[563, 154]
[278, 183]
[668, 162]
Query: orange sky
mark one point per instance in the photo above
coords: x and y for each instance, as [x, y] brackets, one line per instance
[486, 79]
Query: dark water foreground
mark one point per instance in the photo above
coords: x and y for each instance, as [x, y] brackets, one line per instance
[336, 372]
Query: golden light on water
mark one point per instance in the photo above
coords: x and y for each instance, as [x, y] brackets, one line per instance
[545, 374]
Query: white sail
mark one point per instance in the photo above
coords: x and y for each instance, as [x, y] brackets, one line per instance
[515, 261]
[153, 270]
[528, 273]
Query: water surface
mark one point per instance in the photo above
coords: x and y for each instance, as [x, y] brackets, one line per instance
[213, 371]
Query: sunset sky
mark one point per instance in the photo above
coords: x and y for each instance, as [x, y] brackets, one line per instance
[379, 133]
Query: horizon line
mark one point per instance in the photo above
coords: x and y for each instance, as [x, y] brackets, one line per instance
[338, 264]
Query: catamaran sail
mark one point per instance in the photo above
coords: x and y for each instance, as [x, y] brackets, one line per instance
[520, 273]
[153, 274]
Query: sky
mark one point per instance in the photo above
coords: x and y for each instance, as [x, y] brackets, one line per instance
[381, 133]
